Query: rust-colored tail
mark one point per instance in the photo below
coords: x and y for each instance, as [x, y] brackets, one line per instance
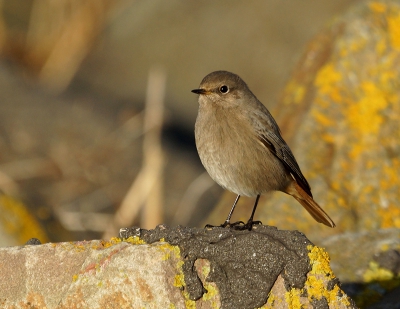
[309, 204]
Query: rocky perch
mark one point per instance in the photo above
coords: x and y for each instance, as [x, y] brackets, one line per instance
[176, 267]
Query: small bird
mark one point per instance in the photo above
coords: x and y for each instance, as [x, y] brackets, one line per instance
[241, 147]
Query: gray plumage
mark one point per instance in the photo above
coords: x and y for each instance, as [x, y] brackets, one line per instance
[240, 144]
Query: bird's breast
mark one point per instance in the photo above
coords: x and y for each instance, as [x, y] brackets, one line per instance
[234, 157]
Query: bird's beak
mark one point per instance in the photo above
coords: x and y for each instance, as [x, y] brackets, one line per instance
[200, 91]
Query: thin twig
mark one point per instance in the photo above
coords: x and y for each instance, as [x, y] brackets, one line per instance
[147, 187]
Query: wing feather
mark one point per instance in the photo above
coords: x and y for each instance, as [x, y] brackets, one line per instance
[269, 134]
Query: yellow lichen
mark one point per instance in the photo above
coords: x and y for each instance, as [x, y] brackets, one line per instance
[381, 47]
[179, 280]
[167, 249]
[210, 294]
[270, 302]
[394, 30]
[102, 244]
[357, 45]
[377, 273]
[315, 288]
[135, 240]
[364, 116]
[323, 119]
[115, 240]
[79, 247]
[376, 276]
[297, 92]
[377, 7]
[327, 77]
[364, 105]
[320, 260]
[320, 273]
[16, 220]
[189, 304]
[293, 299]
[390, 216]
[205, 270]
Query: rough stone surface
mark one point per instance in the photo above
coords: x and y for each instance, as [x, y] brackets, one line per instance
[390, 260]
[244, 265]
[352, 266]
[372, 274]
[264, 267]
[173, 268]
[89, 275]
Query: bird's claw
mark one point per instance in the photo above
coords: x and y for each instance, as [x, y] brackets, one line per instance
[238, 225]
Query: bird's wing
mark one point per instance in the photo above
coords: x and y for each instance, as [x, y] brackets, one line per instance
[269, 134]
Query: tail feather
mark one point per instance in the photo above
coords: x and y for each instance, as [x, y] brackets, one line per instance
[310, 205]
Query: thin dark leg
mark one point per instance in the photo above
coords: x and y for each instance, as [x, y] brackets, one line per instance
[254, 209]
[250, 223]
[228, 219]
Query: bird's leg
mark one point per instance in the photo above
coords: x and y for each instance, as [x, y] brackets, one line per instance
[227, 222]
[250, 222]
[228, 219]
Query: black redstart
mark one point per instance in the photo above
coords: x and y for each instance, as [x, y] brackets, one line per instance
[241, 147]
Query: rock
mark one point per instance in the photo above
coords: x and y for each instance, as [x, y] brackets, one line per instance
[368, 265]
[173, 267]
[390, 301]
[351, 253]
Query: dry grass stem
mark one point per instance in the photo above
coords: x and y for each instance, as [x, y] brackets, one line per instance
[146, 190]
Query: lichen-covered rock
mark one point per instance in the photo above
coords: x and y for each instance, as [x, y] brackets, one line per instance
[173, 268]
[352, 253]
[90, 274]
[340, 114]
[369, 265]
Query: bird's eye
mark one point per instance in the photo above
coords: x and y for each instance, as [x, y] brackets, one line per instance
[223, 89]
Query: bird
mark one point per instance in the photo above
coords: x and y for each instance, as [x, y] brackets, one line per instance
[241, 147]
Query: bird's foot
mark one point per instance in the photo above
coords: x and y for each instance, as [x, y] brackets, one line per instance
[247, 226]
[238, 225]
[226, 224]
